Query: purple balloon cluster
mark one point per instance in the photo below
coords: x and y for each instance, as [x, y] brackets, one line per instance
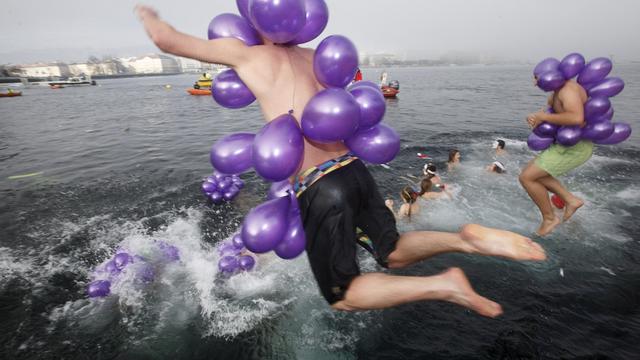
[232, 259]
[219, 187]
[110, 270]
[551, 75]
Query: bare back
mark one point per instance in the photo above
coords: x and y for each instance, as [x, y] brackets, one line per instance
[570, 87]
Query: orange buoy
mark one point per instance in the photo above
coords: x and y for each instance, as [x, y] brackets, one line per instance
[557, 201]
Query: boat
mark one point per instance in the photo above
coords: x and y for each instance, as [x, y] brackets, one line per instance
[199, 91]
[74, 81]
[391, 91]
[11, 94]
[53, 87]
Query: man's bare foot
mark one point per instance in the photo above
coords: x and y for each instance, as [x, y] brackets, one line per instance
[570, 207]
[463, 294]
[494, 242]
[548, 226]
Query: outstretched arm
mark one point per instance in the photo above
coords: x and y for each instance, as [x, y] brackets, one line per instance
[228, 51]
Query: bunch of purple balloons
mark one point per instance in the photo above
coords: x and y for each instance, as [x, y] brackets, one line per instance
[551, 75]
[219, 187]
[352, 115]
[112, 268]
[232, 259]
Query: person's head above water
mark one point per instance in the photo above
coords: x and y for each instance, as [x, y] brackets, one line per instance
[426, 185]
[409, 195]
[499, 144]
[497, 167]
[429, 170]
[454, 156]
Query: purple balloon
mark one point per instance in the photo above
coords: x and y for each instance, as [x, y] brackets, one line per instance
[170, 252]
[224, 185]
[537, 143]
[335, 61]
[596, 107]
[265, 225]
[378, 145]
[231, 193]
[278, 20]
[233, 153]
[621, 132]
[372, 106]
[569, 135]
[279, 189]
[596, 70]
[208, 187]
[233, 26]
[228, 264]
[229, 91]
[546, 65]
[99, 288]
[317, 16]
[121, 260]
[331, 115]
[572, 65]
[229, 249]
[111, 268]
[294, 241]
[278, 148]
[216, 197]
[365, 83]
[243, 8]
[546, 130]
[145, 272]
[551, 80]
[246, 262]
[597, 131]
[608, 87]
[237, 242]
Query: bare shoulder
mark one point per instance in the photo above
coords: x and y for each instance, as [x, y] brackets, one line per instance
[572, 88]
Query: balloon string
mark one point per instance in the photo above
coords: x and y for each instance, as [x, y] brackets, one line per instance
[295, 82]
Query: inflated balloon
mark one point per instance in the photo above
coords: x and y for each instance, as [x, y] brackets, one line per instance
[228, 264]
[233, 26]
[208, 187]
[145, 272]
[230, 193]
[608, 87]
[331, 115]
[546, 129]
[265, 225]
[365, 83]
[537, 143]
[551, 80]
[278, 148]
[595, 71]
[571, 65]
[377, 145]
[546, 65]
[246, 262]
[229, 249]
[372, 106]
[568, 135]
[169, 252]
[121, 260]
[279, 189]
[557, 201]
[294, 241]
[216, 197]
[237, 181]
[229, 91]
[243, 8]
[224, 184]
[621, 132]
[596, 107]
[278, 20]
[233, 154]
[597, 131]
[111, 267]
[237, 242]
[99, 288]
[317, 16]
[335, 61]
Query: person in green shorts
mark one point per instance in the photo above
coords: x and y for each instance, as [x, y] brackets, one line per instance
[539, 176]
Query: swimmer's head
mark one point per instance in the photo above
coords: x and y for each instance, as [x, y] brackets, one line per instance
[498, 167]
[425, 186]
[499, 144]
[429, 169]
[454, 155]
[408, 195]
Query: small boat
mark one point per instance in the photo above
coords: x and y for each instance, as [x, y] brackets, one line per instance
[74, 81]
[199, 91]
[11, 94]
[53, 87]
[389, 92]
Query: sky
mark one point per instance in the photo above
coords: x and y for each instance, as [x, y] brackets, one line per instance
[523, 30]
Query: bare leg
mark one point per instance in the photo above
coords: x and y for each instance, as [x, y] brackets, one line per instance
[572, 202]
[379, 291]
[529, 178]
[415, 246]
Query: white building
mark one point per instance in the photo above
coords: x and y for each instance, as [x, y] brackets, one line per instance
[152, 64]
[39, 70]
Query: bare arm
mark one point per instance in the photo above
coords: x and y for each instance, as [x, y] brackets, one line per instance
[573, 114]
[231, 52]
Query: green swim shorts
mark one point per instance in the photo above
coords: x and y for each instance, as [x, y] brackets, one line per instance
[559, 160]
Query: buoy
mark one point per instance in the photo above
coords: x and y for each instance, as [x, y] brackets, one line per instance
[167, 86]
[557, 201]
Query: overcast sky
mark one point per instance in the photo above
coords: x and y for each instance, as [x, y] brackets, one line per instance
[512, 29]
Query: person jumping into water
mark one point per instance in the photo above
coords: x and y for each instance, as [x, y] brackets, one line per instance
[346, 197]
[539, 176]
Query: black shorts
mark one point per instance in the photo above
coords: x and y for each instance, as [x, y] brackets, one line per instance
[336, 210]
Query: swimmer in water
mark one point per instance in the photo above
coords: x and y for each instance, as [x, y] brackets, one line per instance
[427, 193]
[346, 198]
[499, 146]
[497, 167]
[410, 205]
[454, 159]
[539, 177]
[430, 172]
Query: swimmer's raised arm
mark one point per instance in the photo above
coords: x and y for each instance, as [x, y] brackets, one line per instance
[572, 104]
[228, 51]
